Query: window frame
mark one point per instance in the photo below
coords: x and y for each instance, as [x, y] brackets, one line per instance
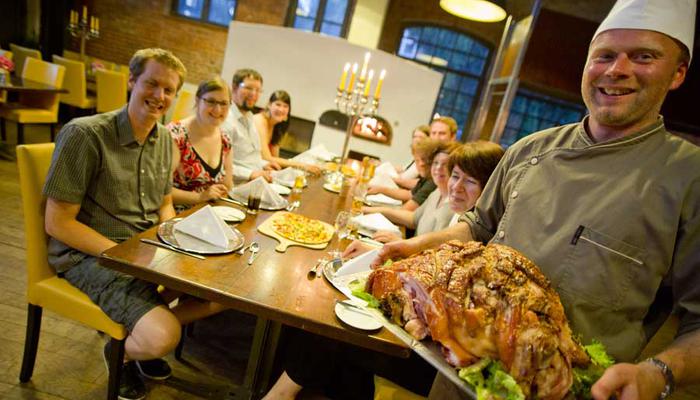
[205, 13]
[318, 22]
[444, 70]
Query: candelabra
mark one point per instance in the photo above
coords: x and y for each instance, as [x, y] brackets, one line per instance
[353, 104]
[81, 29]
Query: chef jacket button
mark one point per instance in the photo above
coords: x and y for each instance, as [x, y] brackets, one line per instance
[501, 234]
[534, 161]
[514, 194]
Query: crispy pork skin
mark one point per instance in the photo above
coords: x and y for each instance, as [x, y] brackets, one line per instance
[484, 301]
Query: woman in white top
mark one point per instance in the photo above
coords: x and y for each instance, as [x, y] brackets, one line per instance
[271, 124]
[471, 165]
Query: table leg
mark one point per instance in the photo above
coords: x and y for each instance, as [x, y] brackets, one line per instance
[262, 356]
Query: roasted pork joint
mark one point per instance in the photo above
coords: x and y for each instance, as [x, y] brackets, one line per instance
[484, 302]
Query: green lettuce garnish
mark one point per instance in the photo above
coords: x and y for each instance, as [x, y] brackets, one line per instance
[490, 380]
[584, 378]
[357, 287]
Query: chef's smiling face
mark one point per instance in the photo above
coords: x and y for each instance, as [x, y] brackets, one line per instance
[627, 76]
[153, 91]
[463, 190]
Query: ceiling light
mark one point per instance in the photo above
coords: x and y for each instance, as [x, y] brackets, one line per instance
[477, 10]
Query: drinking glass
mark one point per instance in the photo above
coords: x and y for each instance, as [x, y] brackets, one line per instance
[254, 199]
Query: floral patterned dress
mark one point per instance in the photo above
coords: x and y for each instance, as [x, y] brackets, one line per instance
[193, 173]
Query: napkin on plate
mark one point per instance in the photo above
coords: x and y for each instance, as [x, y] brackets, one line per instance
[368, 224]
[387, 169]
[269, 197]
[319, 152]
[286, 176]
[382, 179]
[382, 200]
[205, 225]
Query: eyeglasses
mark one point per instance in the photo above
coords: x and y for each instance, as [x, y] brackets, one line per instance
[250, 89]
[213, 103]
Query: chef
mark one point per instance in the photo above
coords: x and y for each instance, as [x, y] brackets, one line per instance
[609, 208]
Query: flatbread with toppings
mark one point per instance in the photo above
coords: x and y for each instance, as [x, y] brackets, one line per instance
[301, 229]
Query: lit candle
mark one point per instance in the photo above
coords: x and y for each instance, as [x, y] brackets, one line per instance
[378, 90]
[97, 24]
[72, 16]
[92, 23]
[369, 82]
[363, 73]
[85, 14]
[341, 85]
[352, 78]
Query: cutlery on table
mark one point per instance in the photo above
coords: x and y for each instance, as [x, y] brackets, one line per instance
[242, 250]
[353, 306]
[226, 199]
[293, 205]
[254, 248]
[171, 248]
[316, 270]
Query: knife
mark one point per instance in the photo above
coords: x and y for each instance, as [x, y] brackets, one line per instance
[171, 248]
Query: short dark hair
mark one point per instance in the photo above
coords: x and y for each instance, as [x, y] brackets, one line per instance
[478, 159]
[240, 75]
[281, 128]
[138, 62]
[211, 85]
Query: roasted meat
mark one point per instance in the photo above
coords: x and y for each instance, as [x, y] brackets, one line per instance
[484, 301]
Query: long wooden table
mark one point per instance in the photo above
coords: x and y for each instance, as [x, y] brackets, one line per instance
[18, 84]
[275, 287]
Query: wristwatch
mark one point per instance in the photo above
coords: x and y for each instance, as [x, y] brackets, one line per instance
[668, 376]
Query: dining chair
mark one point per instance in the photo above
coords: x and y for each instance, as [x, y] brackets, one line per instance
[21, 53]
[35, 108]
[74, 81]
[7, 54]
[385, 389]
[45, 290]
[183, 105]
[111, 90]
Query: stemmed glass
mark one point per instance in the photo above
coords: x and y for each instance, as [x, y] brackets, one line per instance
[342, 228]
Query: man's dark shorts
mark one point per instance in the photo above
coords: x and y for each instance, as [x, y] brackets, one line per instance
[123, 298]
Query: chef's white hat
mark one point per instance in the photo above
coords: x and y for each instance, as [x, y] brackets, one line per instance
[674, 18]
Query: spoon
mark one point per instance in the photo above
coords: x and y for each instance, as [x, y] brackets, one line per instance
[254, 248]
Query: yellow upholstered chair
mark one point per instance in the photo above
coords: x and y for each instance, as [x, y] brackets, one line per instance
[111, 90]
[385, 389]
[74, 82]
[34, 108]
[183, 105]
[21, 54]
[45, 290]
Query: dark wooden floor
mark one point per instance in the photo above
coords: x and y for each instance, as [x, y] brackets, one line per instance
[69, 363]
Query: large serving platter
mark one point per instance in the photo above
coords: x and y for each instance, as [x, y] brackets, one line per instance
[359, 267]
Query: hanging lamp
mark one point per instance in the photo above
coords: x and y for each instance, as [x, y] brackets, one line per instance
[476, 10]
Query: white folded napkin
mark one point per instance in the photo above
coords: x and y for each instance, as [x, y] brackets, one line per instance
[205, 225]
[368, 224]
[319, 152]
[269, 197]
[386, 168]
[382, 199]
[382, 179]
[286, 176]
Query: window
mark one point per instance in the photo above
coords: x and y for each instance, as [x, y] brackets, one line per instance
[218, 12]
[532, 112]
[461, 59]
[329, 17]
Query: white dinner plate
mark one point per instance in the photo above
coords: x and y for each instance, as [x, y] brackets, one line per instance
[332, 188]
[356, 318]
[280, 189]
[229, 214]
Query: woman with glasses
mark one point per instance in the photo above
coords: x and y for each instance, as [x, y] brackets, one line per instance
[271, 124]
[202, 159]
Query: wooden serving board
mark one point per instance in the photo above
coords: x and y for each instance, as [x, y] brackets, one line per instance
[266, 229]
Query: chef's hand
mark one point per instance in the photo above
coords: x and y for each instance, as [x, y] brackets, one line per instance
[643, 381]
[395, 250]
[386, 236]
[356, 248]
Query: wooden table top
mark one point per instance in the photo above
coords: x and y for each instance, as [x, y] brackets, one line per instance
[275, 286]
[18, 84]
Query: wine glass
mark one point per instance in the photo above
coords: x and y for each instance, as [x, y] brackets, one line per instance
[342, 228]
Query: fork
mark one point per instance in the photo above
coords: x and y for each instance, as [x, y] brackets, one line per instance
[315, 271]
[293, 205]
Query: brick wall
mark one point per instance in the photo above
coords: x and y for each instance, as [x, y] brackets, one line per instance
[128, 25]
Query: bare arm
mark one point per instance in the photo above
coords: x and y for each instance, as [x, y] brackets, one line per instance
[405, 248]
[410, 205]
[399, 194]
[644, 380]
[166, 210]
[214, 191]
[395, 215]
[228, 171]
[61, 223]
[406, 183]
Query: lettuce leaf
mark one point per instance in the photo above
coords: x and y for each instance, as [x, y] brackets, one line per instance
[584, 378]
[491, 381]
[357, 287]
